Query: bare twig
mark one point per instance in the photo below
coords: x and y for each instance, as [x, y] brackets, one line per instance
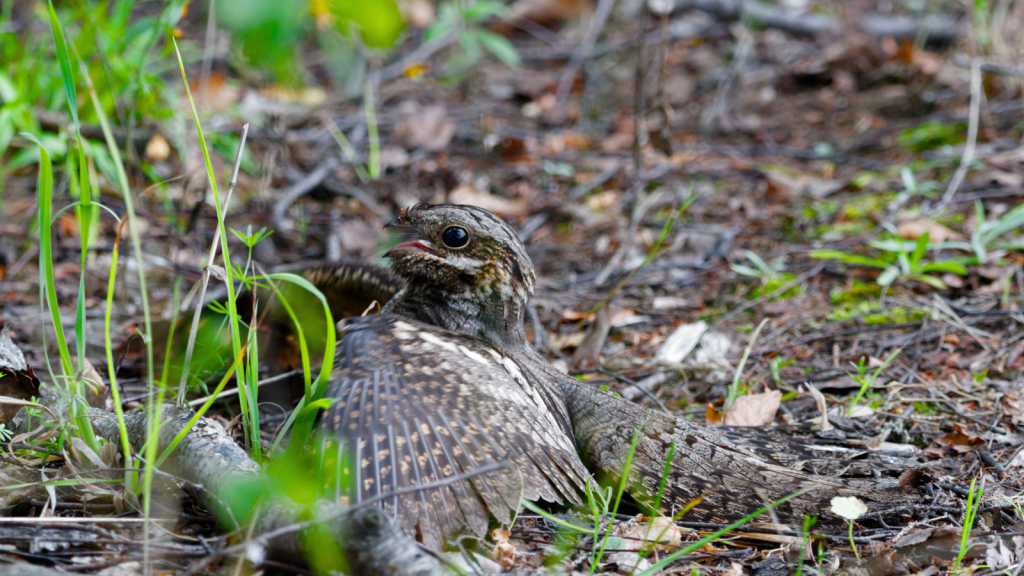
[300, 189]
[637, 385]
[597, 21]
[972, 134]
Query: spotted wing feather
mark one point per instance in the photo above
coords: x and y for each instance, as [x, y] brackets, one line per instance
[417, 405]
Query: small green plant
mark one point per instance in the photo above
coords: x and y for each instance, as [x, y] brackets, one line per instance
[465, 21]
[970, 513]
[809, 522]
[771, 276]
[932, 135]
[900, 260]
[911, 188]
[865, 380]
[777, 364]
[987, 233]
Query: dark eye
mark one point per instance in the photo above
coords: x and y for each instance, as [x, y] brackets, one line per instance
[455, 237]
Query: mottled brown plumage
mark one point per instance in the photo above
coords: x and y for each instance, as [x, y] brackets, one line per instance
[445, 382]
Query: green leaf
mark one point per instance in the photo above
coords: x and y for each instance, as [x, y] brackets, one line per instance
[759, 262]
[7, 91]
[932, 281]
[378, 22]
[945, 266]
[919, 250]
[500, 47]
[65, 63]
[484, 9]
[744, 270]
[849, 258]
[888, 276]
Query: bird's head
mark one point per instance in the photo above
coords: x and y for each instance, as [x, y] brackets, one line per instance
[465, 270]
[461, 251]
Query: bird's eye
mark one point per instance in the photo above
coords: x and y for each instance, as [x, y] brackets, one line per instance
[455, 237]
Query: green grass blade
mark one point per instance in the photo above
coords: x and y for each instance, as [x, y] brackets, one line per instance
[147, 331]
[115, 392]
[618, 495]
[46, 278]
[540, 511]
[85, 211]
[66, 72]
[302, 421]
[236, 341]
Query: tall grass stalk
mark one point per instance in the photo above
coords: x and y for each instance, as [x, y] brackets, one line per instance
[48, 289]
[973, 503]
[618, 496]
[86, 214]
[204, 282]
[126, 449]
[233, 320]
[154, 402]
[734, 389]
[304, 415]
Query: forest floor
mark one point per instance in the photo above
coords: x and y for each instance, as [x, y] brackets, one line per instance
[828, 251]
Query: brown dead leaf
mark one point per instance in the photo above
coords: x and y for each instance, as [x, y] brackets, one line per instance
[1013, 404]
[914, 229]
[754, 409]
[660, 531]
[426, 128]
[16, 377]
[67, 223]
[219, 95]
[712, 416]
[466, 194]
[590, 348]
[95, 389]
[571, 340]
[310, 96]
[802, 184]
[962, 440]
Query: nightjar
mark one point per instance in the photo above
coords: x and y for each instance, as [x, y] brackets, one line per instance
[445, 416]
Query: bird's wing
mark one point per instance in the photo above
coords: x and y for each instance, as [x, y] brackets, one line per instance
[416, 405]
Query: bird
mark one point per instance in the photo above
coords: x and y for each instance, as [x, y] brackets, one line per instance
[443, 414]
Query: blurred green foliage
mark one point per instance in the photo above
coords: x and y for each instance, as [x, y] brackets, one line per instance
[115, 48]
[932, 135]
[270, 33]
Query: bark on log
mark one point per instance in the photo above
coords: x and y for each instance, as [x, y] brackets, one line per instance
[213, 464]
[934, 28]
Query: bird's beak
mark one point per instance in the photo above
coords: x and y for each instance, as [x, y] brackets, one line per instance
[417, 242]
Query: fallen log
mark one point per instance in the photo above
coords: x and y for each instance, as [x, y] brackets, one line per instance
[932, 27]
[214, 469]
